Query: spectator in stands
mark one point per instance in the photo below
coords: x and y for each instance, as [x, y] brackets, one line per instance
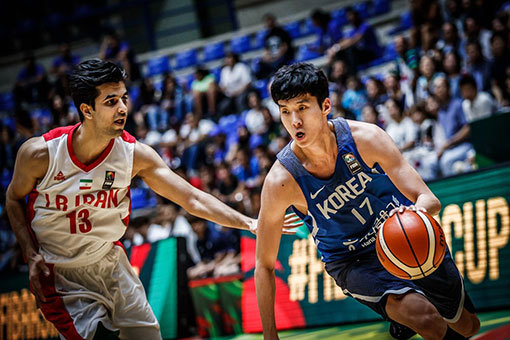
[227, 183]
[278, 49]
[500, 63]
[213, 245]
[192, 132]
[63, 63]
[452, 68]
[354, 99]
[450, 39]
[456, 129]
[426, 11]
[429, 37]
[477, 65]
[119, 52]
[401, 128]
[476, 104]
[360, 45]
[338, 76]
[370, 115]
[62, 113]
[424, 156]
[406, 61]
[376, 92]
[8, 149]
[174, 100]
[474, 32]
[31, 86]
[397, 90]
[328, 31]
[254, 119]
[235, 81]
[427, 74]
[204, 89]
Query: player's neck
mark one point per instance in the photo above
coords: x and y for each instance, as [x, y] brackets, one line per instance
[88, 144]
[323, 150]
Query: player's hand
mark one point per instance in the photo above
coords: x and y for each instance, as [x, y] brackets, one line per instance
[291, 221]
[401, 209]
[36, 267]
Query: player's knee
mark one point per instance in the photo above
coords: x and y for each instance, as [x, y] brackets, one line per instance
[429, 323]
[475, 327]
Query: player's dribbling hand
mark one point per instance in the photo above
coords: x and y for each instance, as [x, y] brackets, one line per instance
[291, 221]
[36, 266]
[401, 209]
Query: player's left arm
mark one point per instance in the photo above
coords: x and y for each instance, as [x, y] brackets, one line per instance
[376, 146]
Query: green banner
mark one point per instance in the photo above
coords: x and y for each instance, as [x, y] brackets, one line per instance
[475, 218]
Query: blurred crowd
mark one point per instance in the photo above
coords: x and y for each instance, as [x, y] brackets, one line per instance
[221, 132]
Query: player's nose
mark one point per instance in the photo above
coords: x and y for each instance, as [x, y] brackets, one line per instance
[122, 107]
[296, 119]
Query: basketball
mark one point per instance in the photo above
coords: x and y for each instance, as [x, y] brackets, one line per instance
[410, 245]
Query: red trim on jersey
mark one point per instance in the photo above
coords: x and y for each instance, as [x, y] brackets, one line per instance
[119, 244]
[77, 162]
[30, 214]
[55, 133]
[126, 219]
[127, 137]
[54, 309]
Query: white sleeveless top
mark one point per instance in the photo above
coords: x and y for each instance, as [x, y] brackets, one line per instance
[77, 211]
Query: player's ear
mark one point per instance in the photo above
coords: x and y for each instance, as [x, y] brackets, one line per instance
[326, 106]
[86, 110]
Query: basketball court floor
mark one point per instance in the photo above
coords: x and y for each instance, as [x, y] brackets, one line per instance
[494, 326]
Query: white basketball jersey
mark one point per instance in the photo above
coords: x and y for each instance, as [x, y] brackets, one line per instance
[77, 211]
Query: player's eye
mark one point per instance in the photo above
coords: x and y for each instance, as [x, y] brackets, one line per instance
[111, 101]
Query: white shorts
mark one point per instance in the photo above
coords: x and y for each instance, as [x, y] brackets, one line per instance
[107, 291]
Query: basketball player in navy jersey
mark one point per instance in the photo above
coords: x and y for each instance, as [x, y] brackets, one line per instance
[344, 178]
[77, 180]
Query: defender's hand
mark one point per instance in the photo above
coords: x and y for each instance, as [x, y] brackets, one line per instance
[36, 266]
[291, 221]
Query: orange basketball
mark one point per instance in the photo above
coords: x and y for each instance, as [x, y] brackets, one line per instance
[410, 245]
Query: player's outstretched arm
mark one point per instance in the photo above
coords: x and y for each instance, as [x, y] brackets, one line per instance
[31, 165]
[376, 146]
[277, 192]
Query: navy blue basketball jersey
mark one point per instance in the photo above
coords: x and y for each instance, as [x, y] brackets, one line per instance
[346, 210]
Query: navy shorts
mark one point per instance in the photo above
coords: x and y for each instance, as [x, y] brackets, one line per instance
[366, 280]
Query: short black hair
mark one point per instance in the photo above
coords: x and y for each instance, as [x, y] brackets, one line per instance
[467, 79]
[87, 76]
[299, 79]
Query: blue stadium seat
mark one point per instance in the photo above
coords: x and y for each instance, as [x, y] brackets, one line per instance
[293, 28]
[185, 59]
[390, 52]
[214, 51]
[157, 66]
[339, 16]
[261, 87]
[362, 9]
[185, 80]
[380, 7]
[259, 39]
[304, 53]
[240, 44]
[217, 72]
[6, 101]
[309, 27]
[406, 22]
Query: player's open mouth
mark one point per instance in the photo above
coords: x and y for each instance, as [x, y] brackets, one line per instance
[300, 135]
[119, 122]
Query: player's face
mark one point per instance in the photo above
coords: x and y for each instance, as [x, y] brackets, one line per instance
[303, 118]
[111, 108]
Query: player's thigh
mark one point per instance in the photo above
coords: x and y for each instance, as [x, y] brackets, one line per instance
[131, 309]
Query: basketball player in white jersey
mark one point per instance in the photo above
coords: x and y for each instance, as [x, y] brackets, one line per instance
[77, 180]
